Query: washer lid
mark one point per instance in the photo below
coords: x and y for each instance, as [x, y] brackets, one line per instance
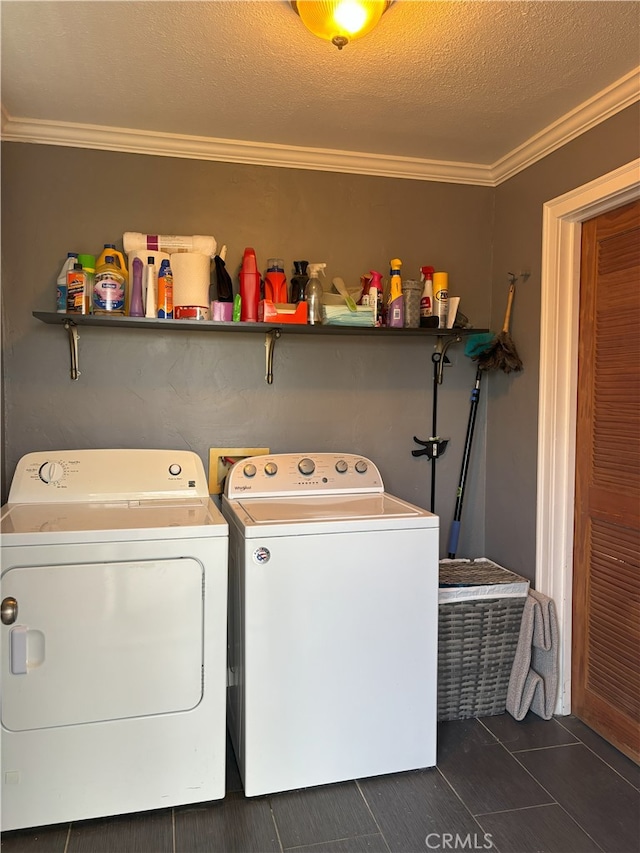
[41, 524]
[353, 512]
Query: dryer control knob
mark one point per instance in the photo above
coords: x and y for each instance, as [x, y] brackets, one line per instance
[249, 470]
[306, 466]
[175, 469]
[51, 472]
[361, 466]
[270, 469]
[341, 466]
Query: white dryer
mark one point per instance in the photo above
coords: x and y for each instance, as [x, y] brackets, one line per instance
[114, 585]
[333, 596]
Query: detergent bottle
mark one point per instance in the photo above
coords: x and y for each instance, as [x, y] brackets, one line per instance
[275, 281]
[110, 249]
[426, 300]
[395, 314]
[375, 296]
[313, 294]
[118, 258]
[249, 287]
[110, 287]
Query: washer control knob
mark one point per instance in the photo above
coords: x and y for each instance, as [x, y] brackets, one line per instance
[361, 466]
[249, 470]
[306, 466]
[174, 469]
[341, 466]
[51, 472]
[270, 469]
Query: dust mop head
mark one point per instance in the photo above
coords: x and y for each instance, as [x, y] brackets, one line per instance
[475, 345]
[501, 355]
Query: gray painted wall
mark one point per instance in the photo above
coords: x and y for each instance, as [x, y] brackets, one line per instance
[512, 422]
[142, 388]
[189, 390]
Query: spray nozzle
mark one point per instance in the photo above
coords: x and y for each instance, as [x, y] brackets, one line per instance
[376, 279]
[315, 269]
[427, 272]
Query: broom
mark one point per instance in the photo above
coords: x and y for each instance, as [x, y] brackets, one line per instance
[501, 353]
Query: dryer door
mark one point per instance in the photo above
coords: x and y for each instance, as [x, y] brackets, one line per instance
[102, 641]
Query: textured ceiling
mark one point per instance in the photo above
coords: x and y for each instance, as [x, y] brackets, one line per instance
[455, 81]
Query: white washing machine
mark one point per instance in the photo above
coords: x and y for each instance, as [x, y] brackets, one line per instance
[333, 597]
[114, 587]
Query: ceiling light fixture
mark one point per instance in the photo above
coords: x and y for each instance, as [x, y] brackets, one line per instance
[340, 21]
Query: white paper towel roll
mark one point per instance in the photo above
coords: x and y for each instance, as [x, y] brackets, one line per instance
[135, 240]
[191, 277]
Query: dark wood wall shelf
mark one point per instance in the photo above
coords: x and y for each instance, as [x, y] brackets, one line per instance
[272, 331]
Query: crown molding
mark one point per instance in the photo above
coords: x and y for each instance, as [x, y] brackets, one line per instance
[602, 106]
[70, 134]
[621, 94]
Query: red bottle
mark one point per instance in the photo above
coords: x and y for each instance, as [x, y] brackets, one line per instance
[275, 281]
[249, 287]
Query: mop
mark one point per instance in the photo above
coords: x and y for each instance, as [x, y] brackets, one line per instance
[454, 531]
[490, 353]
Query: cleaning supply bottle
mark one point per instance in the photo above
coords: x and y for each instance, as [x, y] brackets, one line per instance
[61, 282]
[110, 288]
[77, 290]
[375, 296]
[89, 266]
[426, 300]
[299, 281]
[150, 287]
[110, 249]
[313, 294]
[395, 314]
[165, 292]
[275, 281]
[249, 287]
[137, 305]
[441, 298]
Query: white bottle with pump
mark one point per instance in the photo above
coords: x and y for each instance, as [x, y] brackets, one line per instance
[313, 294]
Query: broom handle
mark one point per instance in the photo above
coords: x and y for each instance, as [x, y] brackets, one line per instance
[507, 316]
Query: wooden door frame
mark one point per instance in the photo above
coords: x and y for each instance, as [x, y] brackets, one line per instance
[560, 295]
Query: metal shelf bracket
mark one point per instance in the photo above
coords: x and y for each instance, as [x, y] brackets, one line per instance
[270, 341]
[72, 331]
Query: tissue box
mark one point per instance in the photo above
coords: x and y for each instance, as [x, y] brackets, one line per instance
[282, 312]
[339, 315]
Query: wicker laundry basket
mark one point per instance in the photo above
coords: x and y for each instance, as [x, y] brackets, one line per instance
[480, 608]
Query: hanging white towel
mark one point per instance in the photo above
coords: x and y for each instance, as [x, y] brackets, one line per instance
[534, 676]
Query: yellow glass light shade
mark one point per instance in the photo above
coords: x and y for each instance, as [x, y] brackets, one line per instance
[340, 21]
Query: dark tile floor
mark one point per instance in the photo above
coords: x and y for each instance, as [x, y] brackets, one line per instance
[550, 787]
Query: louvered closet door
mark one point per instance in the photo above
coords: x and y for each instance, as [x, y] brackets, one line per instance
[606, 569]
